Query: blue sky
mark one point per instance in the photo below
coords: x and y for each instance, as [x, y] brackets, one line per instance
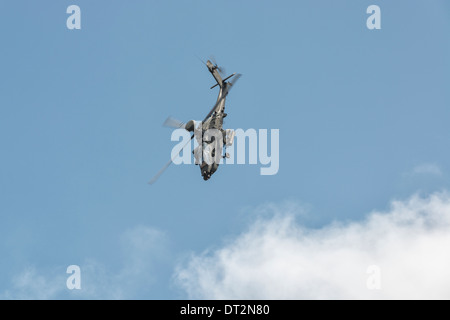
[363, 119]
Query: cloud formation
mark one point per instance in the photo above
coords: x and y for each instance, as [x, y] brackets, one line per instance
[277, 258]
[427, 169]
[142, 248]
[31, 285]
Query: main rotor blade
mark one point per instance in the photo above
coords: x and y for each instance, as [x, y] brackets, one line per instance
[160, 172]
[173, 123]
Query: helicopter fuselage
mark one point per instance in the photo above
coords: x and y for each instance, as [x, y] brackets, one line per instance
[215, 121]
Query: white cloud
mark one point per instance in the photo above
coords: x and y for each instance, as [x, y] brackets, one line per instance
[142, 247]
[29, 284]
[276, 258]
[427, 169]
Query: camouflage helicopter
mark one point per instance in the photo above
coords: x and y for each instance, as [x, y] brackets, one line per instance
[209, 150]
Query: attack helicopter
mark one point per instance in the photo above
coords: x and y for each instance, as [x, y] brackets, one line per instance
[209, 151]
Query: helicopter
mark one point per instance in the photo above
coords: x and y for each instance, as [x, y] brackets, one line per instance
[210, 146]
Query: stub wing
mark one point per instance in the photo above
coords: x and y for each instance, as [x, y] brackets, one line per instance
[229, 137]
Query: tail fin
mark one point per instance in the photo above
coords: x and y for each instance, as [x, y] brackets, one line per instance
[215, 72]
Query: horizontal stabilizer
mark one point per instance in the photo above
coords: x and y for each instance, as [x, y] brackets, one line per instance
[224, 80]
